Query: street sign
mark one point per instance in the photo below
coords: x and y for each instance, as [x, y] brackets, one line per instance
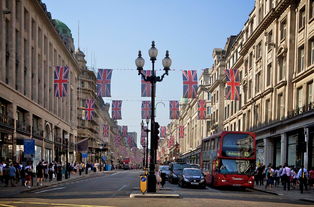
[29, 147]
[143, 183]
[84, 155]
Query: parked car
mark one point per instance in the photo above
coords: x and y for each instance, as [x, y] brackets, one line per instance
[165, 169]
[176, 169]
[191, 177]
[126, 167]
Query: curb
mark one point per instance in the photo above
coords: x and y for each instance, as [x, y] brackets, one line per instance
[154, 195]
[66, 181]
[307, 200]
[265, 191]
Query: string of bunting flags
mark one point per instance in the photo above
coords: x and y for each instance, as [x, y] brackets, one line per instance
[103, 87]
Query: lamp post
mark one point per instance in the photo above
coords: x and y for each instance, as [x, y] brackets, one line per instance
[144, 150]
[153, 79]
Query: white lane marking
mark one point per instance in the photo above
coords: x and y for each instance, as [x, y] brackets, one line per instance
[117, 173]
[52, 189]
[122, 187]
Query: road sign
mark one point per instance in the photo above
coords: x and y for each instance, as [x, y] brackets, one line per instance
[29, 147]
[143, 183]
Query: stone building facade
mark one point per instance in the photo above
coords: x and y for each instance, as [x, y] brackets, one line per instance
[30, 48]
[274, 53]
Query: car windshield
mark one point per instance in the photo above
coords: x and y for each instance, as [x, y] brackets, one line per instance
[238, 145]
[192, 172]
[165, 168]
[242, 167]
[180, 166]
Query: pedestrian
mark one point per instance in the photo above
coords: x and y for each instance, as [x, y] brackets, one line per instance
[12, 174]
[269, 176]
[163, 178]
[28, 175]
[158, 178]
[50, 171]
[302, 176]
[276, 176]
[1, 171]
[293, 178]
[22, 173]
[285, 176]
[6, 175]
[311, 178]
[40, 173]
[45, 167]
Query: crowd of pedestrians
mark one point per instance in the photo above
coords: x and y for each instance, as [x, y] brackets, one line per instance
[287, 177]
[13, 173]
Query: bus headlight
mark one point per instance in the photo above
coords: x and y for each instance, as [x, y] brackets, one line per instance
[250, 182]
[223, 181]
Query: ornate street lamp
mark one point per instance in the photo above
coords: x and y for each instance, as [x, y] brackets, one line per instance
[153, 79]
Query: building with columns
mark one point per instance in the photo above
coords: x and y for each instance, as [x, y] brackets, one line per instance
[274, 53]
[30, 49]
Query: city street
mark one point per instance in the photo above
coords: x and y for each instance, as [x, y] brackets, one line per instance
[114, 190]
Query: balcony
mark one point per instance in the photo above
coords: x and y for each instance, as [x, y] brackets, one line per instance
[23, 128]
[37, 133]
[294, 115]
[6, 121]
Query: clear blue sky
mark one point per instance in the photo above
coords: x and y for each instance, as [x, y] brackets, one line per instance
[112, 32]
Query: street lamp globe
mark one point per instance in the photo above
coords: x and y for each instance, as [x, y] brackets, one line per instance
[139, 62]
[166, 62]
[153, 52]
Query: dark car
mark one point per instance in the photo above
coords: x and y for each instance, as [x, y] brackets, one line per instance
[164, 169]
[176, 170]
[126, 167]
[192, 177]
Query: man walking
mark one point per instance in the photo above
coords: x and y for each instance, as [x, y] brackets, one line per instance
[285, 175]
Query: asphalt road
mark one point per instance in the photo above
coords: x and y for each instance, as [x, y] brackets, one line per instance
[114, 190]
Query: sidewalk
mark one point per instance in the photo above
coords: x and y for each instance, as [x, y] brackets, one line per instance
[308, 195]
[11, 191]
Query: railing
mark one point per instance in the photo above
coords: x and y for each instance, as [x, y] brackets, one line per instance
[6, 121]
[23, 127]
[291, 114]
[37, 133]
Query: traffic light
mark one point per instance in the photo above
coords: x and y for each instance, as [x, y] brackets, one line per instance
[156, 134]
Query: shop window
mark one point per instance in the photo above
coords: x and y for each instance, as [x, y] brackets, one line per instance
[292, 150]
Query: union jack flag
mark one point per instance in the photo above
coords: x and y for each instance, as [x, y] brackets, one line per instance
[89, 109]
[103, 82]
[116, 110]
[201, 109]
[146, 85]
[106, 130]
[146, 109]
[124, 131]
[61, 80]
[189, 83]
[174, 109]
[163, 130]
[181, 131]
[233, 84]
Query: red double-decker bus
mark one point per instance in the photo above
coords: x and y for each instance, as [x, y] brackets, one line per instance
[228, 159]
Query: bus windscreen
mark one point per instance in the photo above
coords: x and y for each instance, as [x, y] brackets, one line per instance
[239, 167]
[238, 145]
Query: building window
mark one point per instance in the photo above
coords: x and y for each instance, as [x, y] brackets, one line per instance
[260, 13]
[302, 18]
[250, 89]
[259, 50]
[267, 111]
[311, 9]
[258, 82]
[280, 106]
[282, 67]
[309, 93]
[246, 65]
[268, 74]
[311, 52]
[299, 97]
[251, 60]
[283, 29]
[256, 117]
[300, 59]
[270, 39]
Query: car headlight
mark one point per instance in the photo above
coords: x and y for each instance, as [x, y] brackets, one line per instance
[202, 180]
[174, 175]
[186, 180]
